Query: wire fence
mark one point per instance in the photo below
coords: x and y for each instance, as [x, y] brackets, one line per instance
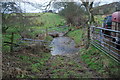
[31, 41]
[104, 40]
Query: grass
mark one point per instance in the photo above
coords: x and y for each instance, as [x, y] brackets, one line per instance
[50, 21]
[99, 62]
[59, 67]
[35, 64]
[77, 35]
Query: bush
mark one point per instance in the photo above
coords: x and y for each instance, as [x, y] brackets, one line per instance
[74, 14]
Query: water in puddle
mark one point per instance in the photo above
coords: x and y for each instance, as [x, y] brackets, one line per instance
[63, 46]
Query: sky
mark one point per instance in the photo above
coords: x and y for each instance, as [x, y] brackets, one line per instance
[102, 1]
[29, 8]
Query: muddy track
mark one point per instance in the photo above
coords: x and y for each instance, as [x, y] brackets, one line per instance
[79, 61]
[84, 71]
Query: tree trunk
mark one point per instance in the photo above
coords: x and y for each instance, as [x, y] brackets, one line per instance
[90, 21]
[88, 29]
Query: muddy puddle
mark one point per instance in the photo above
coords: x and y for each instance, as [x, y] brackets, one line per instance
[63, 46]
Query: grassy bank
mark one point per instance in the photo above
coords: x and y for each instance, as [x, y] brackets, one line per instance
[77, 35]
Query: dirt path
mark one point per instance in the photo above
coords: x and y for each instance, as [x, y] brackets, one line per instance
[68, 67]
[79, 61]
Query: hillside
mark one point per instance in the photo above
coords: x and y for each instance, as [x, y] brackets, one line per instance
[107, 8]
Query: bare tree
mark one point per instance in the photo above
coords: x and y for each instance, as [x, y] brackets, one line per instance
[12, 18]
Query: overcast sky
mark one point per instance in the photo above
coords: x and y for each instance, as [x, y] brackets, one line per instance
[29, 8]
[102, 1]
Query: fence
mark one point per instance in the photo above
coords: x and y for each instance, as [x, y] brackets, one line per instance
[31, 41]
[102, 39]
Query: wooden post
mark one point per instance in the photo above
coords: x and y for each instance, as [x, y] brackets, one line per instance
[12, 39]
[88, 37]
[46, 33]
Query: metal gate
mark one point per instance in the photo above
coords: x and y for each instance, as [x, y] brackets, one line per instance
[102, 39]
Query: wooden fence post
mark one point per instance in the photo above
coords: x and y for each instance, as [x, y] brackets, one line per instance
[12, 39]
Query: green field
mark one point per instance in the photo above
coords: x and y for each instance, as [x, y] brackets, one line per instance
[41, 23]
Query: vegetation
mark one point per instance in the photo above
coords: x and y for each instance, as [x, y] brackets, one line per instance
[78, 38]
[28, 31]
[33, 59]
[99, 62]
[102, 10]
[74, 14]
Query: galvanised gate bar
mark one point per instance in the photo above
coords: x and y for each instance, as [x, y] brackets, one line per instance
[107, 37]
[107, 43]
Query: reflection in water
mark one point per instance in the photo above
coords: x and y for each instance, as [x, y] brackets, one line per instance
[63, 46]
